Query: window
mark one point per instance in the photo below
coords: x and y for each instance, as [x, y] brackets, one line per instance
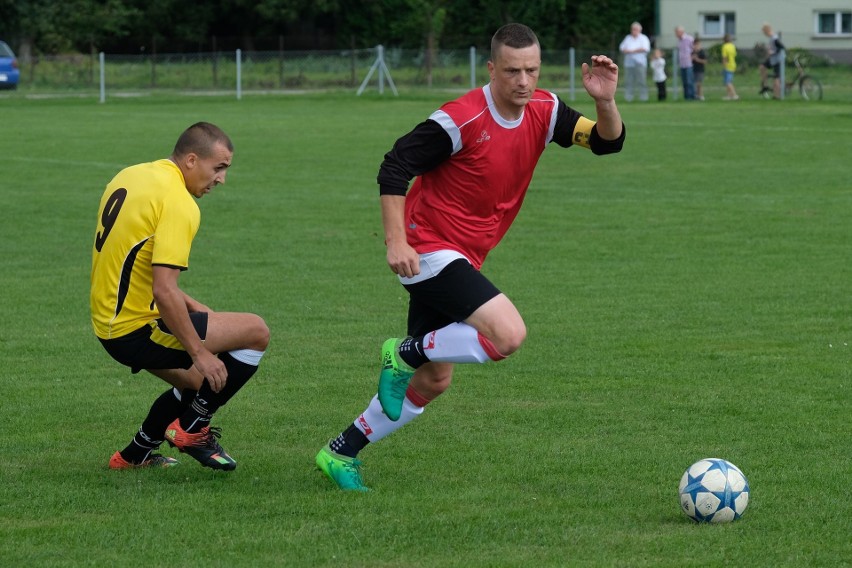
[716, 25]
[837, 23]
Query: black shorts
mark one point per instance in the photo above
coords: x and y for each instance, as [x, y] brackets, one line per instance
[776, 67]
[450, 297]
[153, 346]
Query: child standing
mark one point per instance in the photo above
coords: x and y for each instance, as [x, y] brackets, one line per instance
[699, 59]
[658, 66]
[729, 66]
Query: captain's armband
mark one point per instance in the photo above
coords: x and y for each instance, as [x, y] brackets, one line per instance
[582, 132]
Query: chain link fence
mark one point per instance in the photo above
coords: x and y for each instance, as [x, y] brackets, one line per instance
[277, 71]
[234, 73]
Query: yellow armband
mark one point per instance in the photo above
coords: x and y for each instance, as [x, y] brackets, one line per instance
[582, 131]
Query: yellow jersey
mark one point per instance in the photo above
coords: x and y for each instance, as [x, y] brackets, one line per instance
[146, 217]
[729, 51]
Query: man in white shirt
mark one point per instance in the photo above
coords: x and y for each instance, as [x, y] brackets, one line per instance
[635, 47]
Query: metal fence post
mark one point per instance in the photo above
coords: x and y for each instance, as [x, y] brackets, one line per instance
[102, 77]
[239, 74]
[381, 58]
[472, 67]
[572, 64]
[379, 64]
[675, 72]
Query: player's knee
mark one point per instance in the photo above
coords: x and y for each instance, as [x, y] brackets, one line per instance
[511, 339]
[442, 380]
[259, 334]
[439, 386]
[432, 379]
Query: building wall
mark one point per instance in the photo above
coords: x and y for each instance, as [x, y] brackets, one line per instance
[794, 19]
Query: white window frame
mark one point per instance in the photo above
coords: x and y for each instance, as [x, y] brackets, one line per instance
[838, 15]
[726, 21]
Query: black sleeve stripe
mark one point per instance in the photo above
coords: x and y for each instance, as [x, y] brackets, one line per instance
[176, 267]
[600, 146]
[421, 150]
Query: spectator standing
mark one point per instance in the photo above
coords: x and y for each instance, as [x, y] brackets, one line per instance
[729, 67]
[773, 61]
[658, 67]
[685, 43]
[635, 47]
[699, 59]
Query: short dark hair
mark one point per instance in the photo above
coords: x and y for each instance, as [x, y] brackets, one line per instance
[512, 35]
[199, 139]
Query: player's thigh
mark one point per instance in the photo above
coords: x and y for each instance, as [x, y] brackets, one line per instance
[227, 331]
[450, 296]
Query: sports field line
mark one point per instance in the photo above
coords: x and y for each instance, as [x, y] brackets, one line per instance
[715, 127]
[60, 162]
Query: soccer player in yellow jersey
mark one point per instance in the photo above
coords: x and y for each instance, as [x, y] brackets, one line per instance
[147, 220]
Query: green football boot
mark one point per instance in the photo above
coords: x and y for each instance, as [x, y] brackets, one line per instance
[393, 379]
[344, 471]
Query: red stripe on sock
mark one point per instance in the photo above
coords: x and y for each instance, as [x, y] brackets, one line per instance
[489, 348]
[366, 427]
[415, 397]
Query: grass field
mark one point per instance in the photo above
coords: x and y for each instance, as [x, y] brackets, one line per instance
[687, 298]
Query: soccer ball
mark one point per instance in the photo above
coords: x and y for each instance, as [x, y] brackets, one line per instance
[713, 490]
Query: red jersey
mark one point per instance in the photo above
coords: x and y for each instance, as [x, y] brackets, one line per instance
[469, 202]
[473, 168]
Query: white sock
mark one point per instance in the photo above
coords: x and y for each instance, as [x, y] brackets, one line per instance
[248, 356]
[458, 343]
[376, 425]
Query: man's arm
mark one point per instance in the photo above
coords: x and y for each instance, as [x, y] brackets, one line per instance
[402, 259]
[174, 308]
[606, 136]
[419, 151]
[193, 305]
[601, 80]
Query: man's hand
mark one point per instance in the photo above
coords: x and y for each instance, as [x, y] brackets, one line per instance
[212, 368]
[601, 79]
[403, 259]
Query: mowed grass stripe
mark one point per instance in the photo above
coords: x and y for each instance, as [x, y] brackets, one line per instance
[687, 298]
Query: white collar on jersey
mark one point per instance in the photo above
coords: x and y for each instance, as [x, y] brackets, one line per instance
[489, 98]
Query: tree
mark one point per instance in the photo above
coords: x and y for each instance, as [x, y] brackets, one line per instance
[35, 26]
[88, 22]
[47, 26]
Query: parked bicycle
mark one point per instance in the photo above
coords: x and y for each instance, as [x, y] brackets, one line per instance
[809, 87]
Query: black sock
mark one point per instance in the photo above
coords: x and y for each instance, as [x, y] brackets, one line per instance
[199, 412]
[411, 351]
[349, 442]
[239, 374]
[139, 448]
[206, 402]
[152, 433]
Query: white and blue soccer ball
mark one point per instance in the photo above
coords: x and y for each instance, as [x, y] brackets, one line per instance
[713, 490]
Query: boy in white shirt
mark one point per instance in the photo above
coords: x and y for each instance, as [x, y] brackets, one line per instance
[658, 67]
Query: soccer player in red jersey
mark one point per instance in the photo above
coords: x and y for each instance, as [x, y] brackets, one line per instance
[473, 160]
